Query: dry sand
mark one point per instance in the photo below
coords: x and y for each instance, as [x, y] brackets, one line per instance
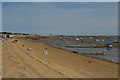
[58, 63]
[0, 60]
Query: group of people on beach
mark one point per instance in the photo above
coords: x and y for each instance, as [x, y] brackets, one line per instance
[30, 49]
[104, 58]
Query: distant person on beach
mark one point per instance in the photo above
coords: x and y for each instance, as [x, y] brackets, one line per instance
[104, 58]
[45, 51]
[112, 60]
[100, 56]
[30, 49]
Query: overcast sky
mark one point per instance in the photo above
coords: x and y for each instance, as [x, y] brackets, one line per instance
[60, 0]
[67, 18]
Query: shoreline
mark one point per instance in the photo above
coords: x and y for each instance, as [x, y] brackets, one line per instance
[78, 53]
[58, 63]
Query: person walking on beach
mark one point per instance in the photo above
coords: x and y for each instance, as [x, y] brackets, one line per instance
[45, 51]
[100, 57]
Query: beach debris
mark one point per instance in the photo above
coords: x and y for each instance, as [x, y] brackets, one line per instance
[45, 51]
[89, 61]
[75, 51]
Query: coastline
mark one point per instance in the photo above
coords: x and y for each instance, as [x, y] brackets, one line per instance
[58, 63]
[78, 53]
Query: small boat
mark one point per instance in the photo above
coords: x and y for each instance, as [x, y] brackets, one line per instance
[75, 51]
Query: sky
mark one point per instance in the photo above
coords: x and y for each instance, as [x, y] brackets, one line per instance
[66, 18]
[60, 0]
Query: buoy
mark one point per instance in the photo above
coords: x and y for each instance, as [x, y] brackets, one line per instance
[103, 40]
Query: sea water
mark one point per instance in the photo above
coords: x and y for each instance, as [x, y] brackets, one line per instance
[109, 53]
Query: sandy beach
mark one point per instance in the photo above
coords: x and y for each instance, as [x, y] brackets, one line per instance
[0, 59]
[18, 62]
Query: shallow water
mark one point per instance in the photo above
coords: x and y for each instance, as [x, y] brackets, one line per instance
[109, 54]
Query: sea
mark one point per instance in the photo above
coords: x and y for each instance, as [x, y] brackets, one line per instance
[94, 46]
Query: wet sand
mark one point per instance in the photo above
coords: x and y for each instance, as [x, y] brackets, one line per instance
[21, 63]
